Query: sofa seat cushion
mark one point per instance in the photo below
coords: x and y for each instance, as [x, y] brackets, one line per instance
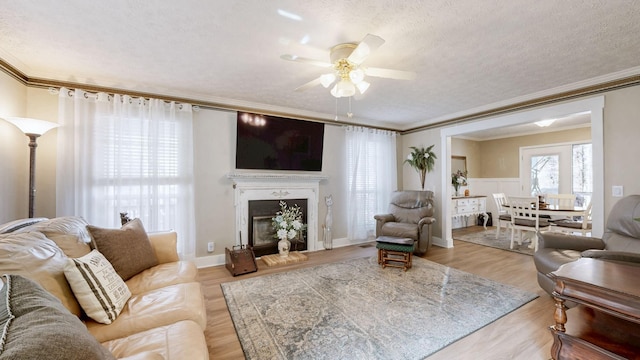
[181, 340]
[152, 309]
[401, 230]
[32, 255]
[162, 275]
[35, 325]
[548, 259]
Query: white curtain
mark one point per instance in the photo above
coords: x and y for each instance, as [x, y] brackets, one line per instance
[371, 177]
[123, 154]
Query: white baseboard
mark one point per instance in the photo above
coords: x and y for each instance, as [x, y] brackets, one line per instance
[439, 242]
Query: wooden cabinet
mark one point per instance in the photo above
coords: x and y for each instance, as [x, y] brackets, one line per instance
[468, 207]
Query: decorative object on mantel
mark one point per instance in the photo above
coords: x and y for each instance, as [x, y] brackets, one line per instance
[422, 160]
[327, 239]
[458, 179]
[287, 223]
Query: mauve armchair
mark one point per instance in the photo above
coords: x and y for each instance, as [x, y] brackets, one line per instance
[410, 216]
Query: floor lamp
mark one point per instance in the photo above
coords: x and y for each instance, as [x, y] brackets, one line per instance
[33, 128]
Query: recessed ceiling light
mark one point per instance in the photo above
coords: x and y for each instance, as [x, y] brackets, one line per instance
[289, 15]
[545, 123]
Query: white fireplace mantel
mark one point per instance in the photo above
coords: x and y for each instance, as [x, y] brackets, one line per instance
[276, 186]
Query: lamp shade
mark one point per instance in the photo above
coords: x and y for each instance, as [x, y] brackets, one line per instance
[32, 126]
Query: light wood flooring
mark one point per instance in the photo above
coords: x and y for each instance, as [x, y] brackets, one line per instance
[522, 334]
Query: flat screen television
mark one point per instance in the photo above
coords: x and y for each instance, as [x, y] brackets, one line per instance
[274, 143]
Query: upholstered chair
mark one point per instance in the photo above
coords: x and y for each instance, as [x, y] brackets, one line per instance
[620, 242]
[410, 216]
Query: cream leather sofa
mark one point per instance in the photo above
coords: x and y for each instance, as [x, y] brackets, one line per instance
[163, 319]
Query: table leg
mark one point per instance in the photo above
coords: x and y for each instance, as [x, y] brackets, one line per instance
[560, 315]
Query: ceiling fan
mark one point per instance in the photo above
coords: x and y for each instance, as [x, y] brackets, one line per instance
[347, 72]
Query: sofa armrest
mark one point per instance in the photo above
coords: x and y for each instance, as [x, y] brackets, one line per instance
[165, 246]
[381, 219]
[612, 255]
[552, 240]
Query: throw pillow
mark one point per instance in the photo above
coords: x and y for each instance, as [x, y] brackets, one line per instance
[98, 288]
[128, 249]
[35, 325]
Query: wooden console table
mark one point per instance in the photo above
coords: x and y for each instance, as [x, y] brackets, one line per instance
[606, 322]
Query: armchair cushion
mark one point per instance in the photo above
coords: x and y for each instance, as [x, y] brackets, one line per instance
[612, 255]
[401, 230]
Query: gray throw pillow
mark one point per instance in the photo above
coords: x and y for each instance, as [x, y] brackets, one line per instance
[35, 325]
[128, 249]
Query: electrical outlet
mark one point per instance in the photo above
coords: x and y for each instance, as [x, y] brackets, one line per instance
[210, 246]
[617, 191]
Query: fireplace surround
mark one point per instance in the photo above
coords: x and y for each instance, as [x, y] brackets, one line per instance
[253, 186]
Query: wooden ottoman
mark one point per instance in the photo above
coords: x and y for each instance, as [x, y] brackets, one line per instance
[395, 252]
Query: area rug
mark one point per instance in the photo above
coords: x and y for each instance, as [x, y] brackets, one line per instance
[488, 238]
[357, 310]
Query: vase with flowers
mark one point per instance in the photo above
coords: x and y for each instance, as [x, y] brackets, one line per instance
[287, 223]
[422, 160]
[458, 179]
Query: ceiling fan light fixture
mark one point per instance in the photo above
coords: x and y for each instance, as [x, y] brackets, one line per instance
[327, 79]
[362, 86]
[343, 88]
[356, 75]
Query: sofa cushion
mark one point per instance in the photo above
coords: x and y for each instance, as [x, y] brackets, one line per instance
[32, 255]
[400, 229]
[162, 275]
[98, 288]
[71, 245]
[68, 225]
[152, 309]
[178, 341]
[128, 249]
[35, 325]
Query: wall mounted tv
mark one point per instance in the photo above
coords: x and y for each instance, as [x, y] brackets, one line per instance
[274, 143]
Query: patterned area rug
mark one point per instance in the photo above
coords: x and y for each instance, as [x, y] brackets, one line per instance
[357, 310]
[488, 238]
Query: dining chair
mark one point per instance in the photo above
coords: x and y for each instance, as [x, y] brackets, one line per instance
[562, 201]
[570, 226]
[525, 213]
[503, 213]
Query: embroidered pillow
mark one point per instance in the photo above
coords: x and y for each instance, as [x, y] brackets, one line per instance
[100, 291]
[128, 249]
[35, 325]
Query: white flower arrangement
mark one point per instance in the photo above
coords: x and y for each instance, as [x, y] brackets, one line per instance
[288, 221]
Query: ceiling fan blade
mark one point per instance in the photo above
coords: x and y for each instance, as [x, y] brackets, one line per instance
[297, 58]
[369, 44]
[391, 74]
[309, 85]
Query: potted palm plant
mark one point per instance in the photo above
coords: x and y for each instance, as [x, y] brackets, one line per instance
[422, 160]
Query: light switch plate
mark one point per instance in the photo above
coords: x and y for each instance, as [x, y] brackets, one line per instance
[617, 191]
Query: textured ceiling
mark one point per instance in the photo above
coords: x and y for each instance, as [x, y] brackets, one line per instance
[469, 55]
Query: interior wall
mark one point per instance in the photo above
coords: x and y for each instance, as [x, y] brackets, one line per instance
[499, 158]
[471, 150]
[215, 148]
[621, 143]
[214, 157]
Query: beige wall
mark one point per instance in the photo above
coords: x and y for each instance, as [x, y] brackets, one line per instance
[499, 158]
[18, 100]
[214, 142]
[621, 129]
